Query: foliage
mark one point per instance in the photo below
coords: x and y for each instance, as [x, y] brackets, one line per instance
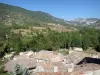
[4, 74]
[51, 40]
[19, 70]
[1, 70]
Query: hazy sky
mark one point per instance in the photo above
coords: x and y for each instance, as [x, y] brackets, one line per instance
[67, 9]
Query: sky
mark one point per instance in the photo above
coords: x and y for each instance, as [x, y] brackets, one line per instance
[66, 9]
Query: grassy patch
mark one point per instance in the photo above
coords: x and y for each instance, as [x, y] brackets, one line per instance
[4, 74]
[64, 51]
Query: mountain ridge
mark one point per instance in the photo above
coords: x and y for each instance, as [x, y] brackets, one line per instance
[14, 15]
[84, 21]
[17, 15]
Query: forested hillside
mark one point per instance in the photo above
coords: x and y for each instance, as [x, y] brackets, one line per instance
[13, 15]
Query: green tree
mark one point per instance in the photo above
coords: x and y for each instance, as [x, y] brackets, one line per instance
[85, 41]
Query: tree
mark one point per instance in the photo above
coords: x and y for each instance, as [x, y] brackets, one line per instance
[85, 41]
[69, 40]
[98, 46]
[16, 43]
[76, 40]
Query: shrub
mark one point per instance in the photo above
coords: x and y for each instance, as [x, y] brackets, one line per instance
[19, 70]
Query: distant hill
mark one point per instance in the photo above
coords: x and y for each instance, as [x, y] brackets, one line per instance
[97, 24]
[84, 21]
[13, 15]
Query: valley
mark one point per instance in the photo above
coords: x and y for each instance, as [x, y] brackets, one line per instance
[38, 43]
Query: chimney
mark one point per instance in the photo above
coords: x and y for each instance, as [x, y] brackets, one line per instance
[35, 53]
[55, 68]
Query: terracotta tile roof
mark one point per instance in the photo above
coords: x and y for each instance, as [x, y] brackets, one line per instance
[44, 55]
[61, 66]
[75, 57]
[87, 67]
[77, 73]
[51, 73]
[46, 65]
[50, 66]
[49, 55]
[28, 63]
